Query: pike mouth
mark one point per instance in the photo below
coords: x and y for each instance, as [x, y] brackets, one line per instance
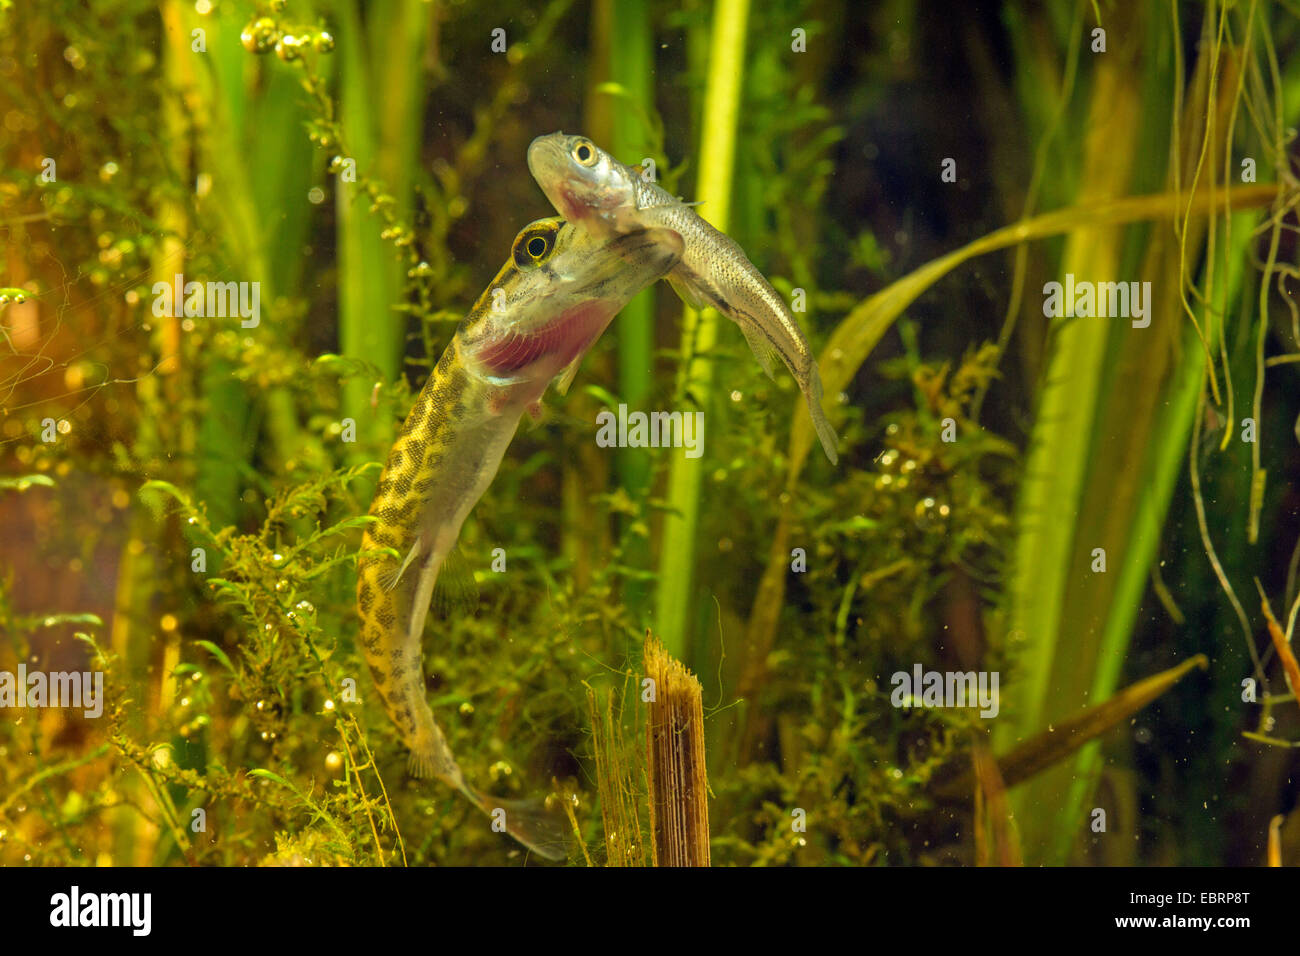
[558, 342]
[572, 208]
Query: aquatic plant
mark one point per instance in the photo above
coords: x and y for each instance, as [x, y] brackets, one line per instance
[183, 496]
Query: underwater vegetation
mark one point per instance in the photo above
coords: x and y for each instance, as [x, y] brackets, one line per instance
[1000, 565]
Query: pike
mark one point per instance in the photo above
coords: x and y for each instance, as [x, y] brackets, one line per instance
[590, 188]
[533, 324]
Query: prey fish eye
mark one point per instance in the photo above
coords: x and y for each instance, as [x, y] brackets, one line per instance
[536, 247]
[584, 153]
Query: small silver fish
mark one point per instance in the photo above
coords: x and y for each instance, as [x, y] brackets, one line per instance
[590, 188]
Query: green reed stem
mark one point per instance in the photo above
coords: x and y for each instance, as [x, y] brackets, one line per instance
[699, 329]
[381, 98]
[631, 66]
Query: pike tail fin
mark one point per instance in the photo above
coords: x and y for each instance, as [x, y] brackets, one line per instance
[529, 821]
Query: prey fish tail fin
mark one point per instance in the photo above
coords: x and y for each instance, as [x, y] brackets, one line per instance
[529, 821]
[825, 433]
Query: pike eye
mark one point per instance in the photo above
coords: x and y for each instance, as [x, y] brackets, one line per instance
[532, 247]
[584, 153]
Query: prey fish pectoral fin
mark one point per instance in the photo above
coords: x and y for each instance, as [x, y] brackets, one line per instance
[697, 294]
[763, 351]
[686, 292]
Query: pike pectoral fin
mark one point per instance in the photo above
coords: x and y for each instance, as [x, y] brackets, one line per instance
[418, 547]
[565, 378]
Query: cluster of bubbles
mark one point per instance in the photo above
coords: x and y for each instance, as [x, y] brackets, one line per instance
[554, 801]
[398, 234]
[264, 34]
[898, 472]
[321, 137]
[198, 722]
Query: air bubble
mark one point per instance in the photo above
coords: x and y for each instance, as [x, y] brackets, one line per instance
[259, 36]
[289, 48]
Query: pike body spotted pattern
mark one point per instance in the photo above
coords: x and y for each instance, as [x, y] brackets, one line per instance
[536, 321]
[590, 188]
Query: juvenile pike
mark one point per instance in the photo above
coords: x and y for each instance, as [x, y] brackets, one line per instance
[590, 188]
[537, 320]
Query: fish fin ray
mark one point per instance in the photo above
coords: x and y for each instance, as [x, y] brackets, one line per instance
[565, 378]
[456, 590]
[417, 546]
[529, 821]
[687, 292]
[419, 765]
[696, 294]
[763, 350]
[825, 433]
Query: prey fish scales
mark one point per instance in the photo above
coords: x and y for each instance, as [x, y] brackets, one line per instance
[542, 312]
[592, 189]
